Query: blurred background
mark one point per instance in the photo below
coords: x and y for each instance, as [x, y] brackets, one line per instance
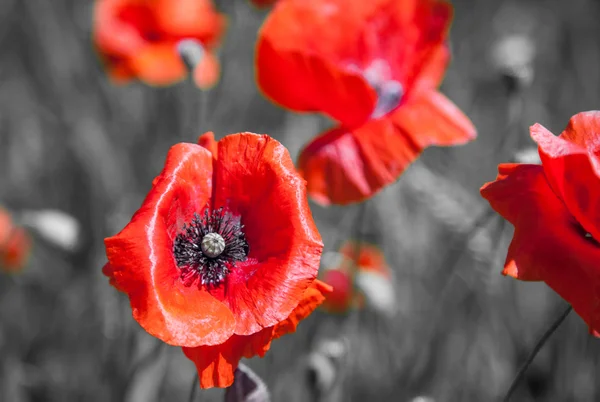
[73, 142]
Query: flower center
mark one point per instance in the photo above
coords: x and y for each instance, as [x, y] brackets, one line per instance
[209, 246]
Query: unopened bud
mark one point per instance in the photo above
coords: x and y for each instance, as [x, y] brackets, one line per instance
[191, 52]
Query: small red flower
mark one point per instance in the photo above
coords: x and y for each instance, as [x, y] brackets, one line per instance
[140, 39]
[555, 211]
[222, 256]
[15, 244]
[373, 66]
[354, 265]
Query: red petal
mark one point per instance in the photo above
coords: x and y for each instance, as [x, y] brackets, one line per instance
[367, 257]
[418, 51]
[207, 72]
[115, 36]
[306, 83]
[343, 166]
[572, 166]
[196, 19]
[429, 118]
[216, 364]
[142, 262]
[313, 297]
[322, 68]
[6, 225]
[255, 179]
[15, 250]
[340, 299]
[547, 244]
[158, 64]
[207, 140]
[432, 73]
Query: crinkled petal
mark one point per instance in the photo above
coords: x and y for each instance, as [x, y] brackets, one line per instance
[216, 364]
[313, 297]
[548, 244]
[142, 264]
[572, 165]
[255, 179]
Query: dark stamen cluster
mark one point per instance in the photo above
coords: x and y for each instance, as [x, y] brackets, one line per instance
[194, 263]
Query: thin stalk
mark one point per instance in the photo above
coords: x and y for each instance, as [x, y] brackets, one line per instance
[534, 352]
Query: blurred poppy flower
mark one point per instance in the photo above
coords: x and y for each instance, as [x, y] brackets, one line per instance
[15, 244]
[359, 276]
[373, 66]
[554, 209]
[222, 256]
[141, 39]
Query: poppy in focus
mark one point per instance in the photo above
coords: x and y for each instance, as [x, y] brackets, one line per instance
[15, 244]
[222, 256]
[144, 40]
[359, 276]
[374, 67]
[554, 209]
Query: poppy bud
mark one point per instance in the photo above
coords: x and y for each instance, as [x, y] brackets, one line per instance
[191, 52]
[513, 56]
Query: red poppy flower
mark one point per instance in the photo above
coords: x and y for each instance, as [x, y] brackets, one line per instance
[15, 244]
[222, 256]
[140, 39]
[351, 272]
[554, 209]
[373, 66]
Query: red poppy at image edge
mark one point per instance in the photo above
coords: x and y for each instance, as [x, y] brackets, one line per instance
[555, 211]
[222, 257]
[374, 67]
[356, 258]
[15, 244]
[139, 40]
